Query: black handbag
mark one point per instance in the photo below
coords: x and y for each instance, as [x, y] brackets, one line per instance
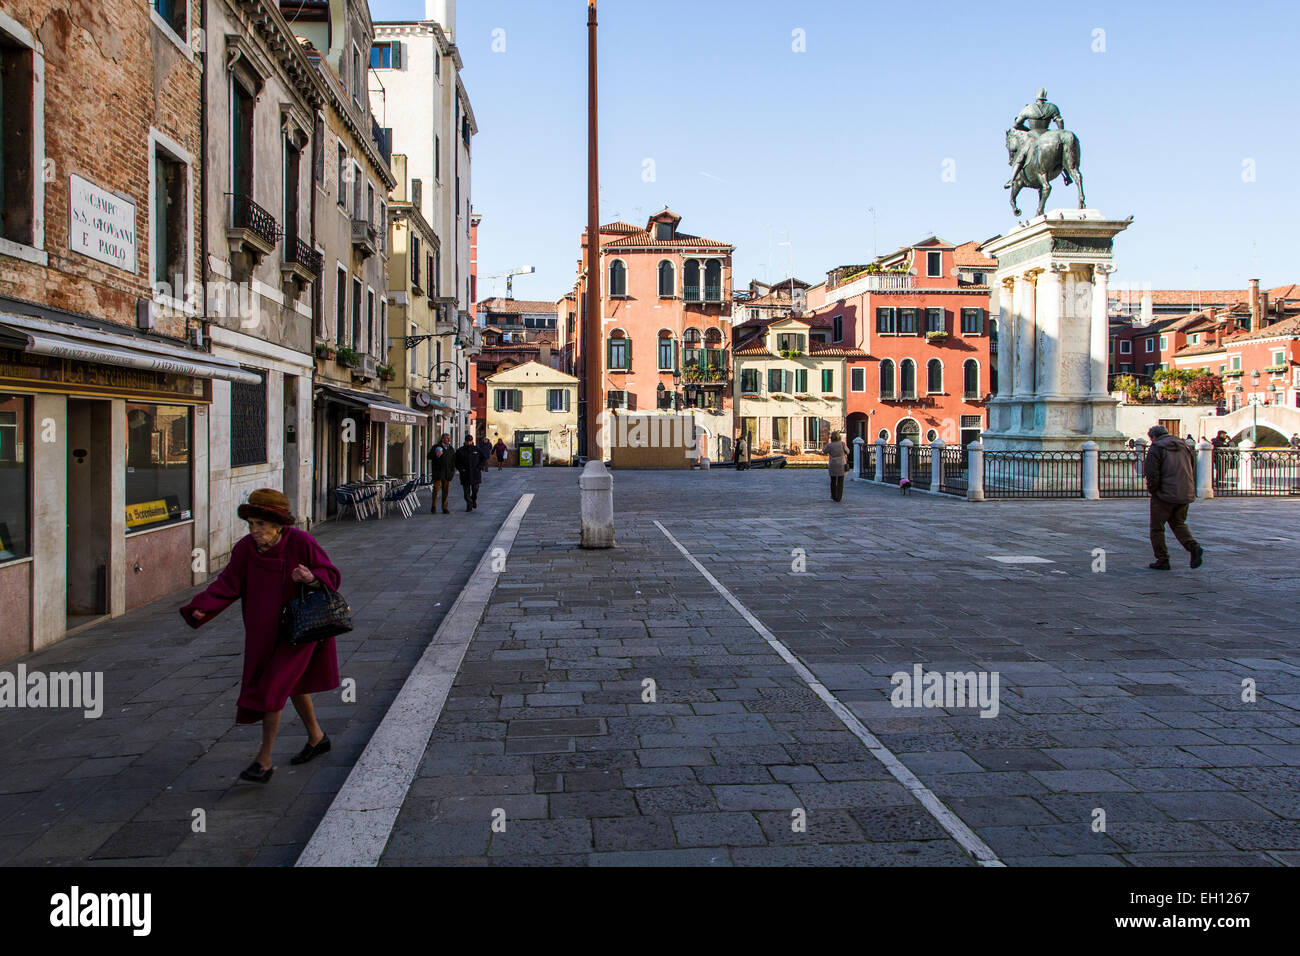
[316, 614]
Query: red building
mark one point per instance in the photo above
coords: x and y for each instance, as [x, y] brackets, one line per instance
[921, 314]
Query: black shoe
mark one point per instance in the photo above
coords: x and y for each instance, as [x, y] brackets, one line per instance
[1198, 556]
[311, 753]
[1159, 565]
[257, 773]
[446, 511]
[469, 507]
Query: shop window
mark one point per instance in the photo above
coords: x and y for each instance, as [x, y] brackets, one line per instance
[159, 464]
[15, 477]
[248, 422]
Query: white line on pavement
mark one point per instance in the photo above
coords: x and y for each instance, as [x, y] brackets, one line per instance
[356, 828]
[960, 832]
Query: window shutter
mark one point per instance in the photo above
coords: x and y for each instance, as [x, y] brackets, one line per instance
[397, 54]
[628, 340]
[824, 431]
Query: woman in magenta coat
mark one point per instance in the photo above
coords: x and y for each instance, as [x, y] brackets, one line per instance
[265, 571]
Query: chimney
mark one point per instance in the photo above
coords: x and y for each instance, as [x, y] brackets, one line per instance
[544, 353]
[1148, 311]
[1263, 309]
[1218, 327]
[442, 12]
[1254, 303]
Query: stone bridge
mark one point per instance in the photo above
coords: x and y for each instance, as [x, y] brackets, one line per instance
[1279, 419]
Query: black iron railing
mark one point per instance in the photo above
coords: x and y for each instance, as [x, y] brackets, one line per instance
[1033, 474]
[1119, 474]
[305, 256]
[1267, 474]
[920, 467]
[246, 214]
[954, 478]
[893, 468]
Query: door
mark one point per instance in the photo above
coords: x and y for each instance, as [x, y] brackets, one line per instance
[89, 506]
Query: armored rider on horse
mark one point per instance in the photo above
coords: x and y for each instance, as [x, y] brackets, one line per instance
[1038, 153]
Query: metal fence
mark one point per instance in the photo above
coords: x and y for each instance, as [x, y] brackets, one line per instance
[1033, 474]
[865, 465]
[893, 469]
[1119, 473]
[920, 468]
[954, 478]
[1269, 474]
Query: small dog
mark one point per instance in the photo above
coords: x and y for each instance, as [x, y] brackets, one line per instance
[905, 486]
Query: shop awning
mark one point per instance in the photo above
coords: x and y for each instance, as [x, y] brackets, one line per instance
[381, 409]
[84, 344]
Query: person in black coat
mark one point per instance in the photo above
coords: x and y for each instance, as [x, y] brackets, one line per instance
[469, 462]
[485, 453]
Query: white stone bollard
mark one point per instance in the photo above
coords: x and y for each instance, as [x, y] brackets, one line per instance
[975, 472]
[704, 463]
[905, 460]
[597, 492]
[858, 460]
[1091, 471]
[1205, 470]
[936, 465]
[880, 459]
[1246, 465]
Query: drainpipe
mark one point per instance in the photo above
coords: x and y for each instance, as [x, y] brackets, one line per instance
[202, 308]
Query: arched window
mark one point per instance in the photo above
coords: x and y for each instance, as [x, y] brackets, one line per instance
[713, 281]
[713, 352]
[667, 280]
[666, 355]
[887, 379]
[691, 281]
[619, 355]
[691, 351]
[909, 429]
[971, 380]
[907, 379]
[934, 376]
[617, 278]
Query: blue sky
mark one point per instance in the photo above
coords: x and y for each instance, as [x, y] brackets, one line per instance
[1186, 120]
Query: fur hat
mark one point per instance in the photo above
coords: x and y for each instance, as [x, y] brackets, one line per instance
[269, 505]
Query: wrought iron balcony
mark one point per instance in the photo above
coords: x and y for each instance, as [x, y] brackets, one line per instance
[713, 293]
[691, 293]
[302, 264]
[251, 226]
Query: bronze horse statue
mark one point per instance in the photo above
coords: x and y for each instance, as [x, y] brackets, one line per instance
[1056, 153]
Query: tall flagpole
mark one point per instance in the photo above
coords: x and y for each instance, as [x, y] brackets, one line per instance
[593, 390]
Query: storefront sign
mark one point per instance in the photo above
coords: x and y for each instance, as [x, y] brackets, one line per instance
[102, 225]
[47, 373]
[526, 456]
[151, 512]
[382, 413]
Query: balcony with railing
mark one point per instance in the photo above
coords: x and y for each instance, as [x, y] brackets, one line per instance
[251, 229]
[874, 282]
[365, 238]
[691, 293]
[302, 264]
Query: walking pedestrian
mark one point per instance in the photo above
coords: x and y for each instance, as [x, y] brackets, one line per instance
[1295, 441]
[742, 453]
[469, 462]
[485, 452]
[442, 468]
[501, 451]
[266, 568]
[1170, 471]
[837, 462]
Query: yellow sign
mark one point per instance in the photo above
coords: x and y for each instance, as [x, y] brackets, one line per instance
[146, 512]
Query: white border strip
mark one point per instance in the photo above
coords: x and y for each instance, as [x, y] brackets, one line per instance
[356, 828]
[960, 832]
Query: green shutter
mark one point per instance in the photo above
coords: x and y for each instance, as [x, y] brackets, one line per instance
[801, 380]
[397, 55]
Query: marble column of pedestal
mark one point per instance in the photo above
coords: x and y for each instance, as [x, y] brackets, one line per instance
[1100, 331]
[1050, 314]
[1026, 335]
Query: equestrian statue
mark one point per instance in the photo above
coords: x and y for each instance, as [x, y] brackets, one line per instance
[1038, 153]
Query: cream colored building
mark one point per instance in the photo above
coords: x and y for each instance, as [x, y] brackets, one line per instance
[534, 404]
[789, 402]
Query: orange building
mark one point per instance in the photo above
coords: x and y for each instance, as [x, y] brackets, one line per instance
[665, 323]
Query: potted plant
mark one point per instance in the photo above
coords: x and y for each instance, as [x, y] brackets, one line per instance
[1144, 393]
[326, 351]
[385, 372]
[937, 336]
[348, 358]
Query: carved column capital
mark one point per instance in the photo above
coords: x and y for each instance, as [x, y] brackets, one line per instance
[1059, 268]
[1104, 268]
[1009, 283]
[1031, 276]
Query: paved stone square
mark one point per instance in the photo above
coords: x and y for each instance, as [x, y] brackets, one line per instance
[1120, 691]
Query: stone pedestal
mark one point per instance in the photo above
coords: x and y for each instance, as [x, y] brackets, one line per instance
[1053, 334]
[596, 488]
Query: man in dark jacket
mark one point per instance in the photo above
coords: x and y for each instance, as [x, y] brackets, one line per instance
[1170, 472]
[470, 465]
[442, 469]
